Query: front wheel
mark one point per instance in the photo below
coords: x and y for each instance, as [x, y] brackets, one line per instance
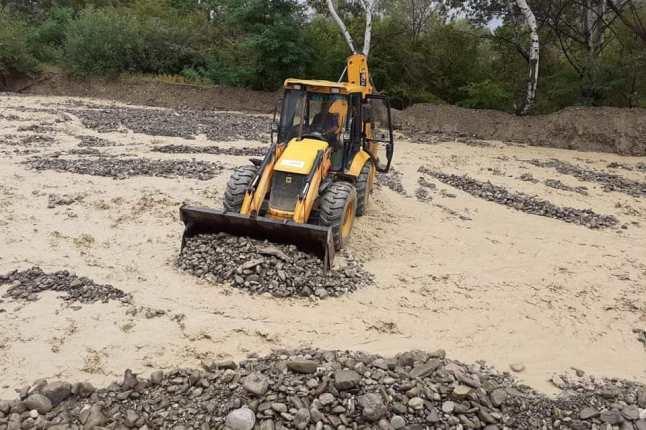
[237, 186]
[338, 207]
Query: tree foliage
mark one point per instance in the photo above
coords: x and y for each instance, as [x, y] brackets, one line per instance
[468, 52]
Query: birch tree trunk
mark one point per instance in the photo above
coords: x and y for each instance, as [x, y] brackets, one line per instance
[368, 6]
[342, 27]
[534, 56]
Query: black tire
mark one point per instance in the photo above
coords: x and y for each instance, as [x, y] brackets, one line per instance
[363, 188]
[334, 204]
[237, 186]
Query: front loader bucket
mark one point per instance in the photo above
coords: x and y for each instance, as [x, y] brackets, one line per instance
[308, 238]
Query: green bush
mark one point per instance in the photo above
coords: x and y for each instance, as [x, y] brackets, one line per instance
[15, 57]
[486, 95]
[101, 42]
[48, 38]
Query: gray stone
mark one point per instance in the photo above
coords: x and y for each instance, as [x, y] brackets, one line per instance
[346, 379]
[498, 396]
[302, 366]
[461, 391]
[57, 392]
[517, 367]
[384, 424]
[130, 379]
[326, 399]
[256, 384]
[157, 377]
[641, 398]
[241, 419]
[416, 403]
[315, 415]
[93, 417]
[39, 402]
[588, 412]
[372, 405]
[267, 425]
[630, 412]
[397, 422]
[640, 425]
[279, 407]
[131, 418]
[5, 406]
[612, 417]
[426, 369]
[302, 418]
[448, 407]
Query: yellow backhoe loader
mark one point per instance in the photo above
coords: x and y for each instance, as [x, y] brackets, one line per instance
[327, 144]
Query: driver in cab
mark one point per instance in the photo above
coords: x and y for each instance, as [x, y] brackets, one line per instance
[326, 123]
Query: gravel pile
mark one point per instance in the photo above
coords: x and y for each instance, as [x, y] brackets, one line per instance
[392, 180]
[523, 202]
[124, 168]
[244, 151]
[54, 200]
[609, 181]
[555, 183]
[28, 284]
[640, 167]
[312, 390]
[219, 126]
[423, 192]
[259, 267]
[95, 142]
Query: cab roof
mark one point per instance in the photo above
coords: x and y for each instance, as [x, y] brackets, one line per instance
[343, 87]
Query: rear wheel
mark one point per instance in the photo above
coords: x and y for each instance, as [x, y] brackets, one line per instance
[237, 187]
[338, 206]
[363, 188]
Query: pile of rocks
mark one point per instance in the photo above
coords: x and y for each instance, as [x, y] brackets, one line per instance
[609, 181]
[244, 151]
[392, 180]
[28, 284]
[312, 389]
[555, 183]
[640, 167]
[423, 192]
[523, 202]
[259, 267]
[54, 200]
[119, 168]
[218, 126]
[95, 142]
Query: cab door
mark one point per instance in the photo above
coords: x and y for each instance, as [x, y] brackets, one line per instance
[378, 131]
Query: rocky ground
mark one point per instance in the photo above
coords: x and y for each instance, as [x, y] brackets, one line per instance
[260, 267]
[220, 126]
[215, 150]
[313, 389]
[524, 202]
[609, 181]
[28, 284]
[121, 168]
[465, 258]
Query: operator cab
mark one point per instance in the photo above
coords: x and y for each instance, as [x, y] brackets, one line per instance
[315, 115]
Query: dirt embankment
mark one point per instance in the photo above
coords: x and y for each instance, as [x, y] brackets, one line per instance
[153, 93]
[603, 129]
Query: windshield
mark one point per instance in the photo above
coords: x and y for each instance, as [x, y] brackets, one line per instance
[317, 115]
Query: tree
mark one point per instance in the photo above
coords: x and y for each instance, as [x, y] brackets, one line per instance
[631, 15]
[534, 55]
[369, 8]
